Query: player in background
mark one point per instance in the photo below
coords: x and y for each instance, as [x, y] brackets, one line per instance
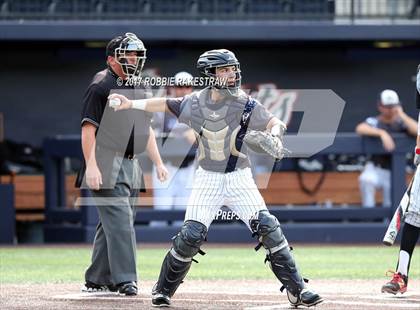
[411, 229]
[220, 116]
[173, 194]
[377, 173]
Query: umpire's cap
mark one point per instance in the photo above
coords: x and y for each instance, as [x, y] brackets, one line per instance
[113, 45]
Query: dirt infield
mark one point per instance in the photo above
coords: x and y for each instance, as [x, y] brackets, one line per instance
[354, 294]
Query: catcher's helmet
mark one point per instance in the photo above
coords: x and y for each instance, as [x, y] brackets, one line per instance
[210, 60]
[122, 49]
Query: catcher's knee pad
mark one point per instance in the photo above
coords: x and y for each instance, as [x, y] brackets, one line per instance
[188, 241]
[268, 230]
[172, 273]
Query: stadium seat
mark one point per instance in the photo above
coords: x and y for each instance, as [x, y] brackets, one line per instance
[261, 9]
[5, 9]
[314, 8]
[28, 8]
[221, 9]
[172, 8]
[112, 8]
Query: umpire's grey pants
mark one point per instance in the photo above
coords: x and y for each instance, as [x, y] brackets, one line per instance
[114, 248]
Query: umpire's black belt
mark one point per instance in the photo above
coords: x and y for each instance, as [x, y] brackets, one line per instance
[117, 153]
[127, 156]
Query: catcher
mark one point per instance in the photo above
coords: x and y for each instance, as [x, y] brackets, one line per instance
[226, 121]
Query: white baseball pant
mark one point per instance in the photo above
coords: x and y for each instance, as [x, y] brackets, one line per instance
[236, 190]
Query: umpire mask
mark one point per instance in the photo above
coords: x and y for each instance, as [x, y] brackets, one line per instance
[131, 55]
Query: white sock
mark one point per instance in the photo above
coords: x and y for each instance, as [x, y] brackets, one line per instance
[403, 262]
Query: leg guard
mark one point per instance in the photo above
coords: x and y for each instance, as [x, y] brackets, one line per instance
[172, 273]
[282, 263]
[177, 262]
[283, 266]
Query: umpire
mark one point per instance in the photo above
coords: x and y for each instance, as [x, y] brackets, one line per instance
[110, 143]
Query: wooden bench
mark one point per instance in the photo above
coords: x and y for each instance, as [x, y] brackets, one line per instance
[337, 188]
[283, 189]
[30, 199]
[29, 196]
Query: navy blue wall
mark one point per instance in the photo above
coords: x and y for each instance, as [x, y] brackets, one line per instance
[42, 83]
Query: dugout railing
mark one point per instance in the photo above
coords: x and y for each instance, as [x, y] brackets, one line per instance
[303, 224]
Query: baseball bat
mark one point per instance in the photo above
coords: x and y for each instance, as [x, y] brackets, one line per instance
[395, 224]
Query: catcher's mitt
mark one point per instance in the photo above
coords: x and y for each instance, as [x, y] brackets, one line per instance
[265, 142]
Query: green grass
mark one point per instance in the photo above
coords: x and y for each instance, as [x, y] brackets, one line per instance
[67, 264]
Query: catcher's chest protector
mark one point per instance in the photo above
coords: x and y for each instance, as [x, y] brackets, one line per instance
[218, 127]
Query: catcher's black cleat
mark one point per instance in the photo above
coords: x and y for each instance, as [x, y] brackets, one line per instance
[127, 288]
[160, 300]
[306, 298]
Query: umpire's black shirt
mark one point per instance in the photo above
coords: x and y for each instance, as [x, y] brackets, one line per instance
[121, 133]
[116, 130]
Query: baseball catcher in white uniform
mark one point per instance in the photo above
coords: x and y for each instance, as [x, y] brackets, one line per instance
[221, 115]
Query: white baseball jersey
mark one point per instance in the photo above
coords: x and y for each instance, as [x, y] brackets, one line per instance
[224, 175]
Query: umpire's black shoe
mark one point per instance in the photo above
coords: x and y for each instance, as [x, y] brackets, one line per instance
[160, 300]
[306, 298]
[112, 288]
[90, 287]
[127, 288]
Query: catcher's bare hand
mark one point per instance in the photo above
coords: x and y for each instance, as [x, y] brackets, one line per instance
[125, 103]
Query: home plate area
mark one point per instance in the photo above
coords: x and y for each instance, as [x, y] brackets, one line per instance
[216, 294]
[356, 294]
